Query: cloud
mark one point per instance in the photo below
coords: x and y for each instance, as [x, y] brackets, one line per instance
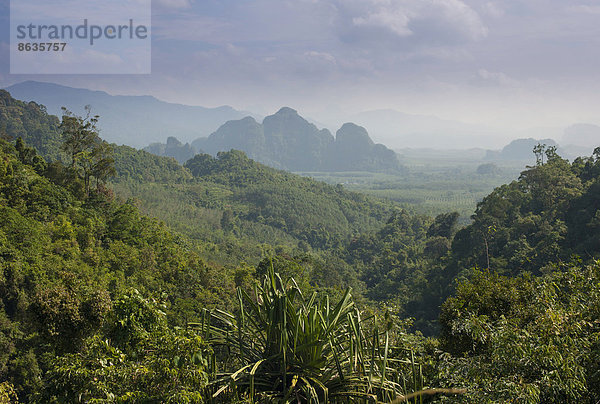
[173, 4]
[396, 22]
[377, 51]
[439, 54]
[324, 56]
[493, 9]
[69, 11]
[488, 78]
[409, 23]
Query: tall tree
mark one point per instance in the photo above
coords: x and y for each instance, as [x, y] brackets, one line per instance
[91, 157]
[79, 133]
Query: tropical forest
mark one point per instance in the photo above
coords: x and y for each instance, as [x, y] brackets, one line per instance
[130, 277]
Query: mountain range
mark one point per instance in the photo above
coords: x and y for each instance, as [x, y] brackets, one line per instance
[285, 140]
[132, 120]
[288, 141]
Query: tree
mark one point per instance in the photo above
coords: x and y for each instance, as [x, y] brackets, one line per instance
[103, 163]
[227, 220]
[136, 357]
[3, 133]
[79, 134]
[28, 155]
[91, 157]
[444, 225]
[524, 339]
[539, 154]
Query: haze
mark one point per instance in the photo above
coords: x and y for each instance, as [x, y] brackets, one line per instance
[503, 67]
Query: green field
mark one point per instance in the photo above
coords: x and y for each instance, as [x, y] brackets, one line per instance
[432, 185]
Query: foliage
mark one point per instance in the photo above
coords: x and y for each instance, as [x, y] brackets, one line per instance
[93, 294]
[29, 121]
[316, 213]
[285, 347]
[137, 358]
[399, 262]
[65, 261]
[89, 155]
[140, 166]
[7, 393]
[525, 225]
[525, 339]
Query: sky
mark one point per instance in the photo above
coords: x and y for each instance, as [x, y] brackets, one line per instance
[510, 64]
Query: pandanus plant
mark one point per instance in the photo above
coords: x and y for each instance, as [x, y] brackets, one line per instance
[284, 347]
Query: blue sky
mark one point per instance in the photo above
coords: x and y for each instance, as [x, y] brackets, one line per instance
[508, 64]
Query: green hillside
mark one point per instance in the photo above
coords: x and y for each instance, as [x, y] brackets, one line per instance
[257, 285]
[214, 198]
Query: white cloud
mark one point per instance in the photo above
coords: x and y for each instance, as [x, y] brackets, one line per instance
[173, 4]
[415, 22]
[454, 17]
[489, 78]
[493, 9]
[320, 55]
[396, 21]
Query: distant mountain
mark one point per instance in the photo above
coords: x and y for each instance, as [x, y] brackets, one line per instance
[353, 150]
[132, 120]
[286, 140]
[173, 148]
[519, 150]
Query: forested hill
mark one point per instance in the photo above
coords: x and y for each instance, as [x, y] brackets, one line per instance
[286, 140]
[242, 296]
[228, 197]
[550, 215]
[315, 212]
[238, 204]
[81, 275]
[32, 123]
